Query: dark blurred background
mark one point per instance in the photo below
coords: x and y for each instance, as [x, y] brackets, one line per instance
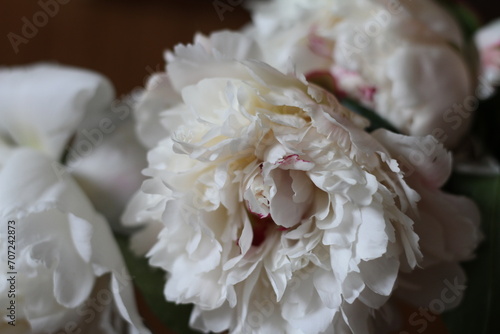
[123, 39]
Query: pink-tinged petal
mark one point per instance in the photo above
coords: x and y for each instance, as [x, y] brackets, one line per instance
[487, 40]
[421, 155]
[320, 46]
[294, 162]
[488, 35]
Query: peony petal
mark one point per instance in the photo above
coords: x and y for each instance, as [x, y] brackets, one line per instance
[304, 309]
[42, 105]
[158, 97]
[214, 320]
[328, 288]
[423, 155]
[283, 209]
[380, 274]
[372, 237]
[111, 173]
[62, 237]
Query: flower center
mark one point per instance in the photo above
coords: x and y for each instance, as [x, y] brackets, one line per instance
[277, 195]
[260, 227]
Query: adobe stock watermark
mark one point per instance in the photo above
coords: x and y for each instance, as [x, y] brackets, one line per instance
[420, 319]
[454, 116]
[31, 26]
[223, 6]
[264, 308]
[87, 140]
[459, 112]
[97, 303]
[371, 29]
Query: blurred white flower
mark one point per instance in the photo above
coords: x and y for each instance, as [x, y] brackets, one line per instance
[70, 273]
[488, 43]
[279, 213]
[61, 110]
[42, 105]
[401, 58]
[111, 172]
[67, 256]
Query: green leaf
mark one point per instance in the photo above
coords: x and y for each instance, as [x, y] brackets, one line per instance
[376, 121]
[478, 313]
[150, 282]
[466, 17]
[326, 81]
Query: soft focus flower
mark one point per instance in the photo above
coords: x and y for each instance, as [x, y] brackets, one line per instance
[278, 212]
[42, 105]
[67, 113]
[70, 273]
[66, 257]
[488, 43]
[111, 172]
[401, 58]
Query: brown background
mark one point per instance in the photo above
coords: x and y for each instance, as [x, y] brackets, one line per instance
[125, 40]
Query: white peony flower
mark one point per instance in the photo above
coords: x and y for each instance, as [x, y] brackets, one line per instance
[487, 41]
[68, 271]
[42, 105]
[279, 213]
[385, 54]
[66, 256]
[68, 112]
